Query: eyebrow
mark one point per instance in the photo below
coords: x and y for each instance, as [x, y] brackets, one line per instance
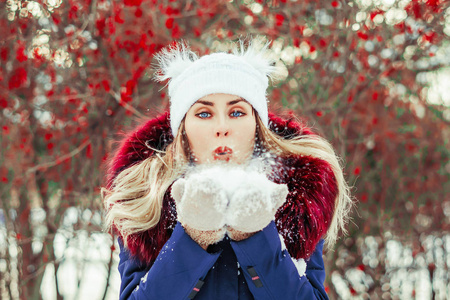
[232, 102]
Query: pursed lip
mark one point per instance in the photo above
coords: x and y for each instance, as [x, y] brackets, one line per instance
[222, 152]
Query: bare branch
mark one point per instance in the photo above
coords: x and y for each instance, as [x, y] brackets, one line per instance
[59, 160]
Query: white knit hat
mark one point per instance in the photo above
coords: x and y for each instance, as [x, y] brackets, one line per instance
[243, 73]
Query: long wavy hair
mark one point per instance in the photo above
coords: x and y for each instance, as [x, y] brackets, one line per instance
[135, 199]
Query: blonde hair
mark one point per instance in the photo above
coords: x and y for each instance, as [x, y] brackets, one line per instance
[135, 200]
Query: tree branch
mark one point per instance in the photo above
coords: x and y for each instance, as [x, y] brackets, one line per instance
[59, 160]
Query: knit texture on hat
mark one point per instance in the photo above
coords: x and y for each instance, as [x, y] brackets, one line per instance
[243, 73]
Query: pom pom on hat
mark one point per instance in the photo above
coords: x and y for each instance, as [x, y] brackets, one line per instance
[173, 61]
[243, 73]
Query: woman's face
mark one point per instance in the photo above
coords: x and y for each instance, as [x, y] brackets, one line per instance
[221, 127]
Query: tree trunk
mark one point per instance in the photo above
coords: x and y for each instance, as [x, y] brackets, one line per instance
[30, 276]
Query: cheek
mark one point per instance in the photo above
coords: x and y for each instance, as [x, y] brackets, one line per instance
[196, 134]
[246, 134]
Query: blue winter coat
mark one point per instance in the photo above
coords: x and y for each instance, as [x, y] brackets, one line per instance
[255, 268]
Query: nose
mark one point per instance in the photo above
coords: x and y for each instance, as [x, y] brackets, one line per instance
[222, 133]
[222, 128]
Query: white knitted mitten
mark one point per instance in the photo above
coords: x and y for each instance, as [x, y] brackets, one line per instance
[254, 203]
[200, 202]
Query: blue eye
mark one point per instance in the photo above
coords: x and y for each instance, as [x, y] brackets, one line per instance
[204, 115]
[237, 114]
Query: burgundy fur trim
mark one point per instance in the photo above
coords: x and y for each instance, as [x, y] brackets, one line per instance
[287, 128]
[302, 220]
[155, 133]
[306, 215]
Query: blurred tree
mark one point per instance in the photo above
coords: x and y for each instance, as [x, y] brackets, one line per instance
[74, 73]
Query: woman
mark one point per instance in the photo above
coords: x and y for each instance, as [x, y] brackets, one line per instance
[195, 218]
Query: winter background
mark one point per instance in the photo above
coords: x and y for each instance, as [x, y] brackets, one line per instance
[372, 76]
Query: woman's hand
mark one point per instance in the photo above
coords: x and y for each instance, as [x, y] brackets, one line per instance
[253, 205]
[201, 203]
[203, 207]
